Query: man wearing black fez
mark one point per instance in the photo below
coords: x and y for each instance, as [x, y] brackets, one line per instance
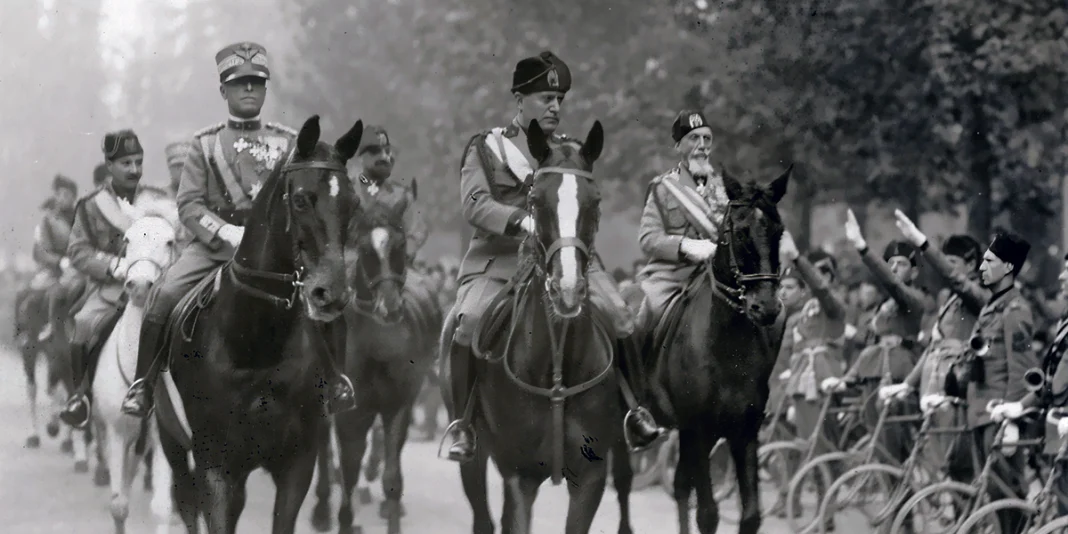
[224, 170]
[494, 181]
[95, 250]
[997, 389]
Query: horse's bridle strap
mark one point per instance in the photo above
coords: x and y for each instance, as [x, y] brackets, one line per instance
[562, 170]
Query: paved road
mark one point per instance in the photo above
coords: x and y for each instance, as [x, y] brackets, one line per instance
[41, 493]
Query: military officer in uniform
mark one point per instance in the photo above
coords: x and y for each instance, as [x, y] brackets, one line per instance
[176, 155]
[377, 158]
[223, 172]
[997, 389]
[95, 249]
[494, 181]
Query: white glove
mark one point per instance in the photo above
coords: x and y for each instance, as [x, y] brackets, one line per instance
[527, 224]
[1010, 438]
[232, 234]
[852, 230]
[788, 248]
[850, 331]
[893, 390]
[697, 250]
[64, 263]
[931, 402]
[908, 229]
[1006, 410]
[118, 269]
[832, 383]
[1062, 427]
[785, 375]
[791, 414]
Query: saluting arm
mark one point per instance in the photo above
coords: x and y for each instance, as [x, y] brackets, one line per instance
[911, 299]
[44, 246]
[971, 293]
[1019, 331]
[830, 303]
[480, 209]
[192, 199]
[653, 239]
[83, 254]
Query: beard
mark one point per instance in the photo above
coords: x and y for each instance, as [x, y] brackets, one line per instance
[699, 166]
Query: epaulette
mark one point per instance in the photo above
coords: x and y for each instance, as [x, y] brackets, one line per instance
[510, 131]
[283, 128]
[660, 177]
[214, 128]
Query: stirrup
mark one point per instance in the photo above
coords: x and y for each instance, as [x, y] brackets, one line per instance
[84, 400]
[634, 449]
[449, 430]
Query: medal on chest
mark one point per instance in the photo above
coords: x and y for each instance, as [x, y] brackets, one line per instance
[265, 151]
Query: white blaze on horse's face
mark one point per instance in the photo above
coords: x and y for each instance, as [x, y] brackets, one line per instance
[567, 212]
[380, 242]
[335, 186]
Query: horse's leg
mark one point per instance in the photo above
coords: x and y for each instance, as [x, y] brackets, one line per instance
[103, 475]
[114, 443]
[395, 426]
[352, 428]
[239, 495]
[689, 456]
[292, 485]
[183, 490]
[744, 451]
[707, 507]
[162, 504]
[29, 365]
[218, 488]
[149, 457]
[473, 476]
[519, 494]
[622, 479]
[321, 512]
[585, 496]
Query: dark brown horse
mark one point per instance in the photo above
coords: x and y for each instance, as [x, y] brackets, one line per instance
[549, 402]
[712, 376]
[391, 343]
[249, 373]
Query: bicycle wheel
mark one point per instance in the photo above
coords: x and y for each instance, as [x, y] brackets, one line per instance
[937, 508]
[776, 461]
[647, 467]
[984, 520]
[807, 488]
[869, 484]
[1057, 526]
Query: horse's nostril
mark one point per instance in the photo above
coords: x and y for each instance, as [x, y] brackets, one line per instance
[320, 294]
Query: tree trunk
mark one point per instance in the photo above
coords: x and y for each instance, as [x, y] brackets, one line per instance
[980, 201]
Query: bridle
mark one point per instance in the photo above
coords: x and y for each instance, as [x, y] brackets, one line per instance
[366, 306]
[151, 261]
[735, 289]
[547, 253]
[240, 273]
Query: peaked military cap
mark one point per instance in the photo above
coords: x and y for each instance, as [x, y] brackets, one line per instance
[962, 246]
[62, 182]
[687, 121]
[242, 59]
[543, 72]
[373, 137]
[176, 152]
[120, 144]
[900, 248]
[1011, 248]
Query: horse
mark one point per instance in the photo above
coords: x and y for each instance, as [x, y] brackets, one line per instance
[149, 250]
[711, 377]
[391, 345]
[556, 349]
[244, 385]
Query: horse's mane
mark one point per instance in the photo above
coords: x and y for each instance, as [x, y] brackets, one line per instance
[157, 203]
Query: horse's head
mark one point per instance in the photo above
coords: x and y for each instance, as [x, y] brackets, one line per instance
[150, 247]
[309, 199]
[565, 204]
[381, 262]
[747, 260]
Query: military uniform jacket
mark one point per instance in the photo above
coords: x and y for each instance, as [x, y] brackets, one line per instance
[1055, 392]
[1006, 325]
[400, 200]
[494, 180]
[664, 224]
[225, 170]
[51, 237]
[101, 220]
[815, 340]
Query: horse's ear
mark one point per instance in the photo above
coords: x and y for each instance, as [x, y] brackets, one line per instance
[537, 142]
[348, 144]
[778, 186]
[591, 149]
[414, 188]
[308, 137]
[733, 187]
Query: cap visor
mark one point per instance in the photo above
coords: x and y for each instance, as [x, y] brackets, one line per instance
[247, 74]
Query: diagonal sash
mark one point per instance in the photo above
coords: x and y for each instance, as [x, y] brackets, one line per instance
[694, 208]
[509, 154]
[109, 207]
[226, 174]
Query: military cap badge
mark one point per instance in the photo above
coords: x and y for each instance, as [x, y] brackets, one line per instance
[695, 121]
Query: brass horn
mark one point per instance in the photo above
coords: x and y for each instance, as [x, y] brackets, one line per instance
[1034, 379]
[979, 345]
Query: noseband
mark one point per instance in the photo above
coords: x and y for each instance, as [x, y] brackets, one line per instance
[238, 271]
[365, 306]
[735, 290]
[561, 242]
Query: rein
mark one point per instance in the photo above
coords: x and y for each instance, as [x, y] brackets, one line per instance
[239, 272]
[733, 291]
[365, 306]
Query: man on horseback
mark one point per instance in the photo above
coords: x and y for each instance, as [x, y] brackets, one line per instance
[50, 239]
[96, 247]
[222, 175]
[495, 177]
[377, 159]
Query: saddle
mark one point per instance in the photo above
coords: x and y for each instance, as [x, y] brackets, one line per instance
[668, 324]
[183, 318]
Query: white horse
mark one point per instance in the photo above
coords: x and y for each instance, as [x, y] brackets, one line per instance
[150, 250]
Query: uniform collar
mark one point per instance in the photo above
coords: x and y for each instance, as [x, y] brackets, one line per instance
[244, 125]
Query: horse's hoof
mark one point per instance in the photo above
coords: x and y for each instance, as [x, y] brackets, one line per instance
[321, 518]
[52, 428]
[66, 446]
[33, 442]
[102, 477]
[365, 495]
[383, 509]
[81, 466]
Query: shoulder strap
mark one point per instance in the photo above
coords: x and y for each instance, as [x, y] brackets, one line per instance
[226, 174]
[112, 212]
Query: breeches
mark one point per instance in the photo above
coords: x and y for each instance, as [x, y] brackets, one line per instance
[91, 317]
[191, 267]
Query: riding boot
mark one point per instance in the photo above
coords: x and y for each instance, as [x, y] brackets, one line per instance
[138, 399]
[462, 366]
[76, 412]
[640, 428]
[53, 316]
